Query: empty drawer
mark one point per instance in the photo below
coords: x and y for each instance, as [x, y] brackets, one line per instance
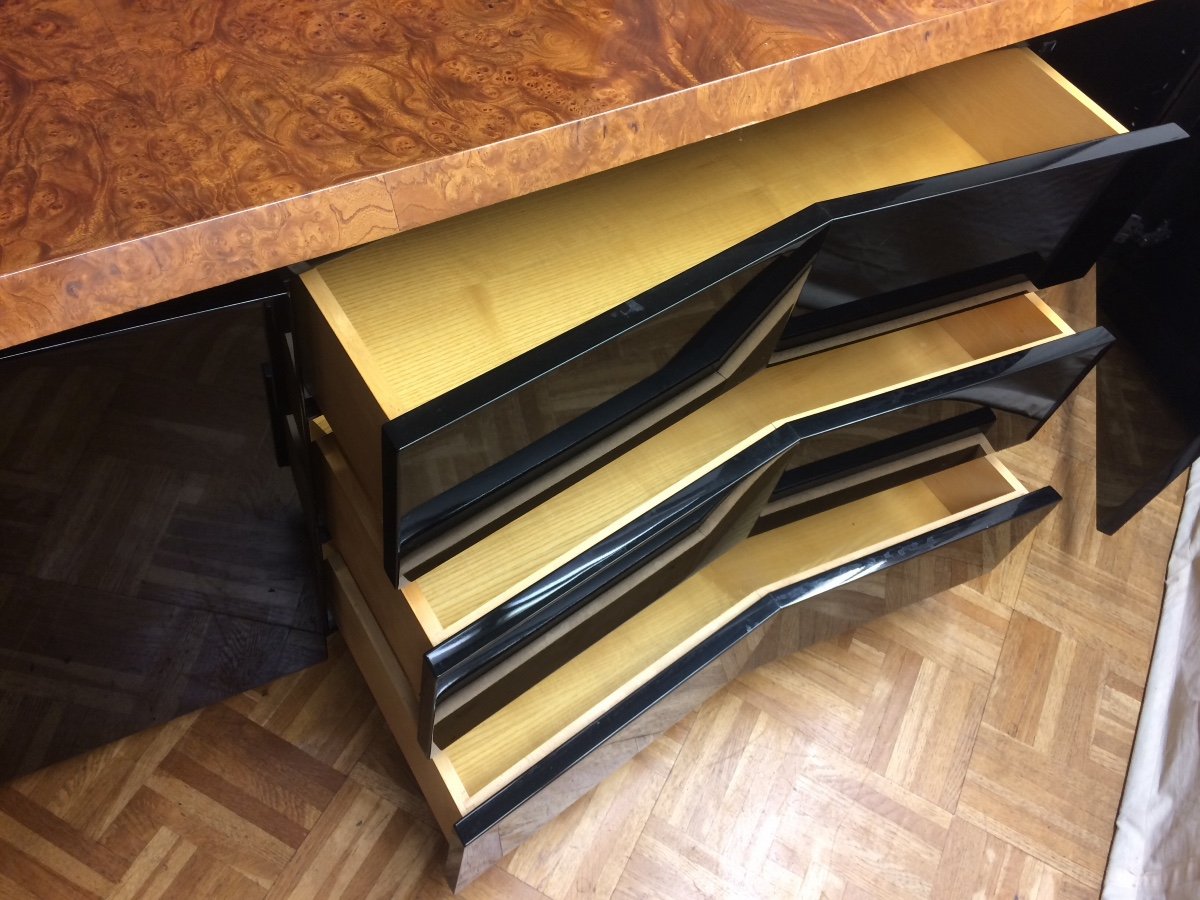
[507, 353]
[647, 518]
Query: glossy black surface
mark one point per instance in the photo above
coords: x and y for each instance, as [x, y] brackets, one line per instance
[1042, 218]
[1144, 440]
[255, 289]
[640, 578]
[1132, 62]
[631, 569]
[1011, 397]
[843, 589]
[291, 406]
[1143, 65]
[946, 425]
[152, 554]
[452, 463]
[791, 499]
[1148, 392]
[495, 435]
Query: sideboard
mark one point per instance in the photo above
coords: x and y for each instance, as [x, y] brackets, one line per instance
[289, 165]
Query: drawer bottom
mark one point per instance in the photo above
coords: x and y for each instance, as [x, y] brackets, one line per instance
[770, 596]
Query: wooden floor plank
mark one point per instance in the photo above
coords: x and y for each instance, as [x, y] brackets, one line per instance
[585, 850]
[976, 863]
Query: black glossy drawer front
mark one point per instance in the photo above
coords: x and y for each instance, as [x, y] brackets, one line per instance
[1005, 399]
[1042, 218]
[606, 385]
[470, 461]
[781, 622]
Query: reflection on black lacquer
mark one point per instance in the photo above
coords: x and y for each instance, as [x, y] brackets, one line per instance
[791, 617]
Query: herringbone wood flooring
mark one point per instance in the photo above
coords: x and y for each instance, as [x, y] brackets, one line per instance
[973, 745]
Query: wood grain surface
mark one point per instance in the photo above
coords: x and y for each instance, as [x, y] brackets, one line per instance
[496, 283]
[971, 745]
[150, 149]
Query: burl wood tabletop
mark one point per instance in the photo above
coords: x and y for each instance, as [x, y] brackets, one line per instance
[149, 148]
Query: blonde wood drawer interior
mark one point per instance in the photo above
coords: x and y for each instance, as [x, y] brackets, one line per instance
[424, 612]
[400, 322]
[491, 755]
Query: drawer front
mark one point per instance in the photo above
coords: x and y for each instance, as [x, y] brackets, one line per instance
[1005, 399]
[477, 457]
[1043, 218]
[1007, 405]
[625, 574]
[552, 416]
[785, 620]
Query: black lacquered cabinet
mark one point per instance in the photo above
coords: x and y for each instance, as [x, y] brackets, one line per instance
[1006, 398]
[790, 616]
[801, 603]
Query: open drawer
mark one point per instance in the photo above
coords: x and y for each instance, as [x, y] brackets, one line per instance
[772, 594]
[506, 353]
[644, 521]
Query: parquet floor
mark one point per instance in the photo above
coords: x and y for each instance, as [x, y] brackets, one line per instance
[973, 745]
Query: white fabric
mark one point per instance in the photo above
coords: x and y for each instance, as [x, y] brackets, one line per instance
[1156, 850]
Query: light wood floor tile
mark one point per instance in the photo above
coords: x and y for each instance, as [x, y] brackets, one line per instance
[1059, 811]
[961, 630]
[361, 848]
[89, 792]
[931, 725]
[326, 711]
[584, 851]
[976, 864]
[824, 691]
[741, 762]
[873, 837]
[1025, 676]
